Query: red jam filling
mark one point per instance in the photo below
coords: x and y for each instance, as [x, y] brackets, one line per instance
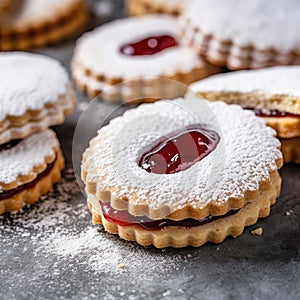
[9, 145]
[10, 193]
[179, 151]
[269, 113]
[149, 46]
[123, 218]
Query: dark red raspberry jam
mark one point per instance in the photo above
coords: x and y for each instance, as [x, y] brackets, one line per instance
[149, 46]
[9, 145]
[179, 151]
[123, 218]
[269, 113]
[10, 193]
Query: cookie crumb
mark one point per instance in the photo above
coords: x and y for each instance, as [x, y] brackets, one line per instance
[257, 231]
[189, 255]
[121, 266]
[289, 212]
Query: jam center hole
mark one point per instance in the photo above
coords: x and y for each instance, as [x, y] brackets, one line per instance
[179, 151]
[149, 46]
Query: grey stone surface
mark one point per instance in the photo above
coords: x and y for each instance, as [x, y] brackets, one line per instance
[249, 267]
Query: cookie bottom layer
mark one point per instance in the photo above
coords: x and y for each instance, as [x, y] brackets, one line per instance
[139, 90]
[215, 231]
[291, 150]
[143, 7]
[32, 195]
[39, 35]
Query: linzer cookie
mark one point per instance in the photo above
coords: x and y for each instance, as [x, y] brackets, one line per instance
[244, 34]
[140, 52]
[29, 168]
[166, 174]
[272, 93]
[142, 7]
[35, 93]
[5, 5]
[37, 23]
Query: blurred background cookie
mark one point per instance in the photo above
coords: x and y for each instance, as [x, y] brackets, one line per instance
[244, 34]
[36, 23]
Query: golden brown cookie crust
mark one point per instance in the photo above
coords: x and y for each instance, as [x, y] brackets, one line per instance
[32, 195]
[214, 232]
[115, 87]
[143, 7]
[38, 34]
[33, 121]
[5, 5]
[287, 127]
[291, 150]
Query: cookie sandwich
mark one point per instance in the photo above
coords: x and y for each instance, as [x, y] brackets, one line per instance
[243, 34]
[35, 93]
[37, 23]
[272, 93]
[140, 53]
[182, 173]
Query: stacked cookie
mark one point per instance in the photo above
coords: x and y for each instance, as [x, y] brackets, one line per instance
[272, 93]
[36, 23]
[35, 93]
[182, 173]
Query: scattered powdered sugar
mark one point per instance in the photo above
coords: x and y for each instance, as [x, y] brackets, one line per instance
[59, 231]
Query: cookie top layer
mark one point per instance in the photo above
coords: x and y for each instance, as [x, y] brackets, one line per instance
[29, 82]
[275, 81]
[237, 165]
[249, 23]
[32, 12]
[26, 157]
[175, 4]
[94, 53]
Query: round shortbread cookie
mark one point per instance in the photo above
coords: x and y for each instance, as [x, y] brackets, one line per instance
[35, 93]
[29, 169]
[291, 150]
[99, 66]
[36, 23]
[235, 172]
[244, 34]
[272, 89]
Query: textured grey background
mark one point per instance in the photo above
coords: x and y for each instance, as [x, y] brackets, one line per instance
[249, 267]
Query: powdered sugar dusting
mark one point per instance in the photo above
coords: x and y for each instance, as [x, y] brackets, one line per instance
[28, 82]
[92, 51]
[59, 230]
[245, 155]
[283, 80]
[253, 23]
[29, 153]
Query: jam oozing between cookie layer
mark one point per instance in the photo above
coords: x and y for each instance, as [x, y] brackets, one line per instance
[179, 151]
[149, 46]
[9, 145]
[271, 113]
[123, 218]
[10, 193]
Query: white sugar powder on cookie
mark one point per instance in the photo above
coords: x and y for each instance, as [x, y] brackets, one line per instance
[29, 153]
[94, 53]
[245, 155]
[259, 23]
[274, 81]
[29, 82]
